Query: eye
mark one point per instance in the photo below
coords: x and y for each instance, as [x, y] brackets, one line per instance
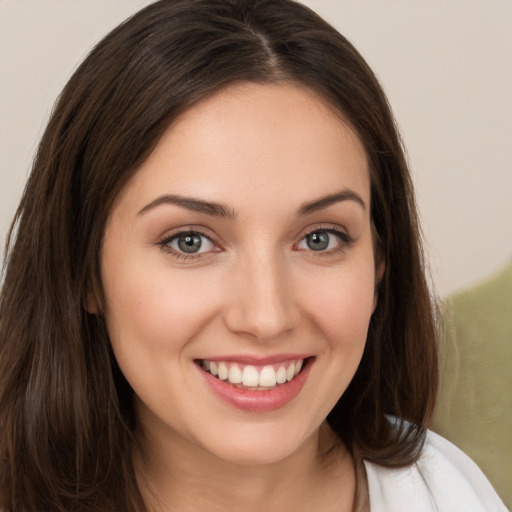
[324, 240]
[188, 243]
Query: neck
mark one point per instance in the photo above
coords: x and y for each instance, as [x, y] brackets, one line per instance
[177, 475]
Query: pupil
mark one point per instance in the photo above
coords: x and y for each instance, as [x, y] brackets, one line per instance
[318, 241]
[189, 243]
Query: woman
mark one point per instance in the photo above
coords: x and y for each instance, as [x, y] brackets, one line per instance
[215, 291]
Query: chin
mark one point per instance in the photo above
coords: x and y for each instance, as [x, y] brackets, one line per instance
[257, 446]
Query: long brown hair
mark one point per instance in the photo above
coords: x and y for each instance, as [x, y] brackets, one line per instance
[66, 411]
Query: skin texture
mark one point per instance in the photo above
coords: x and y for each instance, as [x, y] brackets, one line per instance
[256, 288]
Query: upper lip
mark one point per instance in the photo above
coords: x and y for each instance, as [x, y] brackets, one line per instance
[256, 359]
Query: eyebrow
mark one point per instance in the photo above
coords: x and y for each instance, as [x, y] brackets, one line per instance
[193, 204]
[221, 210]
[326, 201]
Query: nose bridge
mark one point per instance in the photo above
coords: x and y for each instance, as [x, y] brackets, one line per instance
[262, 303]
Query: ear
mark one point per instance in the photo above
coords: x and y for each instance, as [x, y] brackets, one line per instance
[92, 305]
[379, 274]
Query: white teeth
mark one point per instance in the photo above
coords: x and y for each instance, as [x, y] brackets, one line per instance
[267, 377]
[235, 375]
[281, 375]
[222, 371]
[249, 376]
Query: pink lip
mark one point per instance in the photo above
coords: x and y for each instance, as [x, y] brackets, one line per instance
[258, 401]
[256, 360]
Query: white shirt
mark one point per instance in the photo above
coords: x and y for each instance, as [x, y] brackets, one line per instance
[443, 479]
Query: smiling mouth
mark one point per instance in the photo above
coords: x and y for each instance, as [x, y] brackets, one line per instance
[252, 377]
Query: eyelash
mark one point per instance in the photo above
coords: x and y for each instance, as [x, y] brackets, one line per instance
[166, 241]
[345, 242]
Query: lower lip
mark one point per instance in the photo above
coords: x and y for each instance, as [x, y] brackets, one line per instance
[258, 401]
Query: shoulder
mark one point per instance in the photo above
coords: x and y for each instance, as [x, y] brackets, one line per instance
[443, 479]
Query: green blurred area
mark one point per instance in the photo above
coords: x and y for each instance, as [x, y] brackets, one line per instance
[475, 399]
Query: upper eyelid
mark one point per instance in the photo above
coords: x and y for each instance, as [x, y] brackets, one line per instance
[327, 226]
[169, 236]
[181, 233]
[345, 237]
[164, 243]
[182, 230]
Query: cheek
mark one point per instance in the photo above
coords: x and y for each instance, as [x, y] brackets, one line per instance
[154, 307]
[343, 310]
[152, 317]
[340, 309]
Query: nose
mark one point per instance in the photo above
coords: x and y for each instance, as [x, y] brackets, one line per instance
[262, 304]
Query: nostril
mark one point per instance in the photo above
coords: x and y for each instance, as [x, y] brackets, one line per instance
[264, 322]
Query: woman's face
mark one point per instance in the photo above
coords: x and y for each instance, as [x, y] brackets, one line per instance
[239, 273]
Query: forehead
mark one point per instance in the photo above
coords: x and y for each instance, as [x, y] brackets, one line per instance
[250, 140]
